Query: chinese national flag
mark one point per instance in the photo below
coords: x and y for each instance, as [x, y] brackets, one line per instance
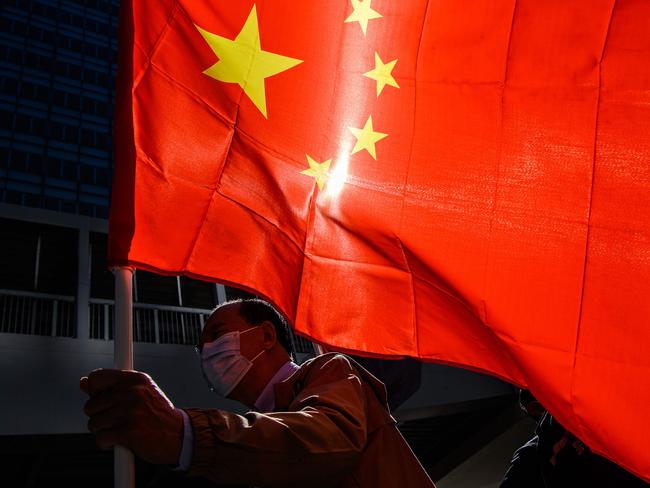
[465, 182]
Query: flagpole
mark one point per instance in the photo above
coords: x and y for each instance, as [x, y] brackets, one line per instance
[124, 468]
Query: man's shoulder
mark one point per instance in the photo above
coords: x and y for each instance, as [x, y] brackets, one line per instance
[327, 367]
[334, 366]
[331, 361]
[314, 374]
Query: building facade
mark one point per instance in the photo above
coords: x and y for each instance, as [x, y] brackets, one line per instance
[57, 66]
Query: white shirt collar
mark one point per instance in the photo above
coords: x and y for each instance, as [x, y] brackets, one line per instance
[266, 401]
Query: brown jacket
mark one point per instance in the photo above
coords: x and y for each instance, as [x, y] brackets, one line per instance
[330, 427]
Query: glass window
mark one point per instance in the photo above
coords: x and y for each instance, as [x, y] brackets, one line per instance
[49, 37]
[35, 164]
[9, 86]
[86, 173]
[88, 105]
[39, 127]
[58, 260]
[197, 294]
[53, 167]
[31, 59]
[6, 118]
[12, 196]
[32, 200]
[60, 68]
[157, 289]
[4, 157]
[41, 93]
[56, 131]
[50, 203]
[58, 97]
[235, 293]
[102, 283]
[18, 241]
[71, 134]
[38, 257]
[102, 177]
[103, 140]
[14, 55]
[69, 170]
[101, 108]
[86, 209]
[19, 28]
[75, 45]
[18, 160]
[89, 74]
[73, 101]
[68, 206]
[87, 137]
[101, 212]
[21, 123]
[74, 71]
[26, 89]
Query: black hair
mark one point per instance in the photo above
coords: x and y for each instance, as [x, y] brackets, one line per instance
[255, 311]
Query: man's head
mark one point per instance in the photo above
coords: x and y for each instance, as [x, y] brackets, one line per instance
[263, 338]
[530, 405]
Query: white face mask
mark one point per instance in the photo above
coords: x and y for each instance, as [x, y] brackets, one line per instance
[223, 364]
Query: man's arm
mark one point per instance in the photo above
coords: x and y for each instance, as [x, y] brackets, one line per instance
[322, 436]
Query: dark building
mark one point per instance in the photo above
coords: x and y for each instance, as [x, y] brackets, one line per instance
[57, 66]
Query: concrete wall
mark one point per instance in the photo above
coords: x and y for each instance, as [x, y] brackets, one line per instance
[443, 386]
[486, 468]
[39, 382]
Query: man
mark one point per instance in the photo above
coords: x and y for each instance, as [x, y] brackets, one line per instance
[555, 458]
[325, 423]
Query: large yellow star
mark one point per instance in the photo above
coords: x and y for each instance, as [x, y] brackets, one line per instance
[319, 171]
[362, 13]
[382, 73]
[243, 61]
[366, 138]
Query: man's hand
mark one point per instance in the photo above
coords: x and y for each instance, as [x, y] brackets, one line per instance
[127, 408]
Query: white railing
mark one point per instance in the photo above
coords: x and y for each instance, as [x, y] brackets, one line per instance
[31, 313]
[162, 324]
[158, 324]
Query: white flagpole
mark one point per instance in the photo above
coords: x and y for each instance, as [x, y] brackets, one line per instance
[124, 469]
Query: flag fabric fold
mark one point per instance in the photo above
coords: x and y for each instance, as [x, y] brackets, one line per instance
[460, 182]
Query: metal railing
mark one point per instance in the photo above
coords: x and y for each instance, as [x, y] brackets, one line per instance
[162, 324]
[31, 313]
[300, 344]
[158, 324]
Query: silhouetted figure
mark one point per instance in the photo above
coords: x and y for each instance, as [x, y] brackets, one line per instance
[555, 458]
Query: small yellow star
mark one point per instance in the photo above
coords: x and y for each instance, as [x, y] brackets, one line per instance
[382, 73]
[362, 13]
[366, 138]
[243, 61]
[319, 171]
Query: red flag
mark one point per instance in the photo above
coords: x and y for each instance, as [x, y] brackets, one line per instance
[462, 182]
